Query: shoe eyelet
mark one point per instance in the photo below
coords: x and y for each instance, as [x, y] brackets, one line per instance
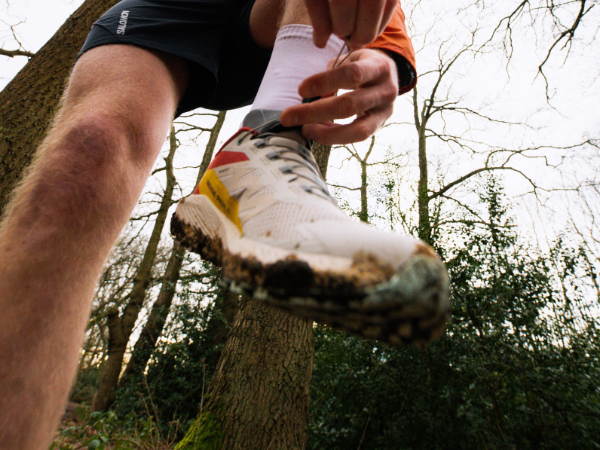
[260, 143]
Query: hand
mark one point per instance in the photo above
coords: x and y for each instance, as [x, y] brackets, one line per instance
[372, 77]
[360, 21]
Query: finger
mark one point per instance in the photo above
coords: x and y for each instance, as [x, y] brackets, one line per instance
[343, 16]
[318, 11]
[362, 128]
[368, 20]
[388, 12]
[342, 107]
[350, 75]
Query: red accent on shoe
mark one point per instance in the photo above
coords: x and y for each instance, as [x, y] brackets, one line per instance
[235, 135]
[225, 157]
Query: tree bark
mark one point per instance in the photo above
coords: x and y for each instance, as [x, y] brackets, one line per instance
[146, 343]
[321, 153]
[157, 318]
[120, 331]
[363, 215]
[423, 187]
[29, 102]
[219, 325]
[259, 396]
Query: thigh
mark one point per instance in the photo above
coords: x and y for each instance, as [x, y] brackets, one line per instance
[193, 30]
[242, 62]
[130, 90]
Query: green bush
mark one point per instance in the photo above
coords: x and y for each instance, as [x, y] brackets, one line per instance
[517, 369]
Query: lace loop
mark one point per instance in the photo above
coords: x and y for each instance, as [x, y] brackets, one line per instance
[289, 150]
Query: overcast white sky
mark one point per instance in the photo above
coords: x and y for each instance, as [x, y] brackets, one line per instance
[508, 92]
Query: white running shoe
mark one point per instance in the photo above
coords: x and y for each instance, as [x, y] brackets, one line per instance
[263, 212]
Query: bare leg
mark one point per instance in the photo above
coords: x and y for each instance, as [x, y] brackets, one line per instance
[268, 16]
[63, 222]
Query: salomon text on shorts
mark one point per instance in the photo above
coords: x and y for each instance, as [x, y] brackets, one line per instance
[213, 36]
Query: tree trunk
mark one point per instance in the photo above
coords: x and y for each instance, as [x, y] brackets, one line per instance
[321, 153]
[259, 396]
[423, 187]
[157, 318]
[363, 215]
[423, 191]
[219, 325]
[28, 103]
[364, 182]
[160, 309]
[119, 330]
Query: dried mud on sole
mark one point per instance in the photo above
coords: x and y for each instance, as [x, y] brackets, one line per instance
[372, 300]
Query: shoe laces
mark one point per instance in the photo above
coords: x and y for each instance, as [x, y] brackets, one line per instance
[287, 150]
[300, 165]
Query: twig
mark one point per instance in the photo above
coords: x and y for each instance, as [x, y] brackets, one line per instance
[13, 53]
[364, 432]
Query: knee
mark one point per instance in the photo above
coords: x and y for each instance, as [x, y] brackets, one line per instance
[129, 89]
[95, 141]
[84, 162]
[94, 154]
[87, 144]
[83, 168]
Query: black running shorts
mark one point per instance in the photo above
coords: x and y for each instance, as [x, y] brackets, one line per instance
[226, 66]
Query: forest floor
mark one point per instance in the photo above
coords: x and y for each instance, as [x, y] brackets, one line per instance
[80, 430]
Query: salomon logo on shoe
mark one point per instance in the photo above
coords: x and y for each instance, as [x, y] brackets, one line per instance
[123, 22]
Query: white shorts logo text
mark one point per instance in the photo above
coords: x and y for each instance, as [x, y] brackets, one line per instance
[123, 22]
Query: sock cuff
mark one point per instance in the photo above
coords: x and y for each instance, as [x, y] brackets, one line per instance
[305, 32]
[295, 57]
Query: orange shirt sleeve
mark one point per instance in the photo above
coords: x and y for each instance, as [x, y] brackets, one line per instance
[395, 39]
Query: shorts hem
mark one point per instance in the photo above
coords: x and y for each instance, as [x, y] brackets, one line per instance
[191, 99]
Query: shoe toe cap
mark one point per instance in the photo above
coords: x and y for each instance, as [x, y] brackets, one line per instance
[349, 239]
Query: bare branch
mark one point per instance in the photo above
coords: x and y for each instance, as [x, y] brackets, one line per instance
[473, 173]
[21, 50]
[569, 33]
[13, 53]
[344, 187]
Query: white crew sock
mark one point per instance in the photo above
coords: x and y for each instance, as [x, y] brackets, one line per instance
[295, 57]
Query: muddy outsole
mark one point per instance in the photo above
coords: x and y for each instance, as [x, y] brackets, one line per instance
[410, 307]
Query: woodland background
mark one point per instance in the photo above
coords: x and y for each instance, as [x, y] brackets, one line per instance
[493, 160]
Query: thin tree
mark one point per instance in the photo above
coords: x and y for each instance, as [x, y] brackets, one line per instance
[363, 162]
[114, 283]
[120, 326]
[439, 104]
[152, 330]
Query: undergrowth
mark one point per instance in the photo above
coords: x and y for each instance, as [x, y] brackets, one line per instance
[107, 431]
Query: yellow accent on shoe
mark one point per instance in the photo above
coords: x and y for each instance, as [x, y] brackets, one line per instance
[212, 187]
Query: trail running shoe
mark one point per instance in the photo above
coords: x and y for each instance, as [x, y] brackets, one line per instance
[263, 212]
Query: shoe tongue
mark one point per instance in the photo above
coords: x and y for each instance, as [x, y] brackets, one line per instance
[267, 121]
[257, 119]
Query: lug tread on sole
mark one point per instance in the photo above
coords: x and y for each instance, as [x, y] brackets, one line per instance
[410, 308]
